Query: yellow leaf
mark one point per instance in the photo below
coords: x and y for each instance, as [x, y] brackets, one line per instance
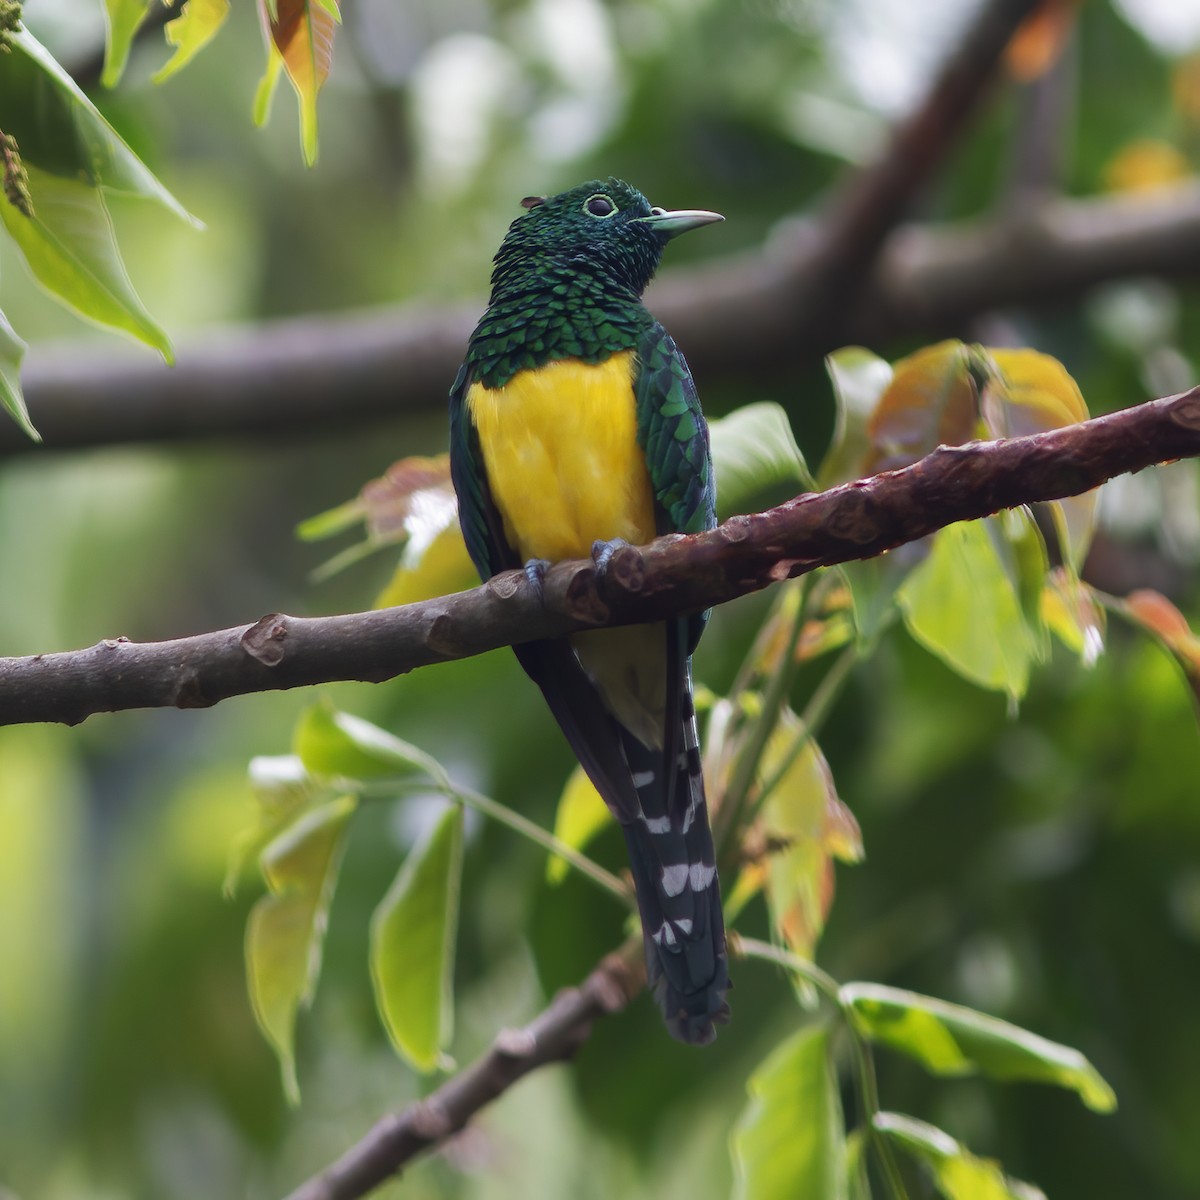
[805, 818]
[190, 32]
[443, 567]
[581, 815]
[930, 401]
[1144, 165]
[1027, 393]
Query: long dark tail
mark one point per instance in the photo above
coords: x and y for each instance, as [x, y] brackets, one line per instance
[673, 862]
[657, 795]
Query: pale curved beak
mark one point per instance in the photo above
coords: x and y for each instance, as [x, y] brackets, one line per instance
[671, 224]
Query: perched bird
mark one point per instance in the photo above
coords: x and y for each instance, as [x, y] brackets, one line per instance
[574, 427]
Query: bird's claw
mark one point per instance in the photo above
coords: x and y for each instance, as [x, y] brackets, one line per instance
[535, 572]
[603, 551]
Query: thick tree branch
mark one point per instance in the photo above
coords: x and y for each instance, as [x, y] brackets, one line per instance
[734, 317]
[553, 1036]
[672, 575]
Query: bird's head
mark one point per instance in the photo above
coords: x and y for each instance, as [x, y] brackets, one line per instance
[603, 226]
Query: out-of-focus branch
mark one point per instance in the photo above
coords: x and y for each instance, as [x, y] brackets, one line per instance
[873, 201]
[734, 318]
[672, 575]
[553, 1036]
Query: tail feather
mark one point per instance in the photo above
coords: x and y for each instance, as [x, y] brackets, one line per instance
[673, 861]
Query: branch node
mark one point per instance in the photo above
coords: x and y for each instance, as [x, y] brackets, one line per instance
[736, 529]
[429, 1121]
[516, 1043]
[264, 639]
[627, 569]
[189, 692]
[442, 638]
[1187, 411]
[582, 601]
[506, 585]
[113, 643]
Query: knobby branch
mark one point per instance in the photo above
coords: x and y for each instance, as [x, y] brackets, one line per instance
[672, 575]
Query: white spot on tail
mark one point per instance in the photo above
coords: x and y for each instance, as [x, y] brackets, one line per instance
[656, 825]
[700, 876]
[643, 779]
[675, 879]
[684, 925]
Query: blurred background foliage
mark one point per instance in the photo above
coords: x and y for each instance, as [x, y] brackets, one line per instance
[1043, 866]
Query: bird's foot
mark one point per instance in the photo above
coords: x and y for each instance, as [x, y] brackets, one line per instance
[535, 572]
[602, 553]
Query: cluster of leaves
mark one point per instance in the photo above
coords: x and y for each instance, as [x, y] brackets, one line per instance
[299, 43]
[62, 161]
[982, 596]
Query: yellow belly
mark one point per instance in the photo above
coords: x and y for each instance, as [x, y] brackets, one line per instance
[563, 464]
[564, 467]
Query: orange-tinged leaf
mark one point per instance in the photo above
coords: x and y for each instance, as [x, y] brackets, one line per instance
[803, 816]
[1069, 610]
[1160, 618]
[1039, 40]
[1144, 165]
[301, 31]
[930, 401]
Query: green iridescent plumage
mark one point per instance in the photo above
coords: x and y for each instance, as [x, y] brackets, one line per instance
[567, 286]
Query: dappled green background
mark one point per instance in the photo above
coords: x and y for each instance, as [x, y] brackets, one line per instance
[1043, 866]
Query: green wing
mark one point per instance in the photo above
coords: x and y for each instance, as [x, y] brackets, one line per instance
[482, 527]
[674, 437]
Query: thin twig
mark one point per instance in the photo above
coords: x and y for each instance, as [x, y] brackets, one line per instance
[553, 1036]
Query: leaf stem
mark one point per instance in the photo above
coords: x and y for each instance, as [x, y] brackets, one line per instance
[734, 799]
[811, 719]
[535, 833]
[864, 1063]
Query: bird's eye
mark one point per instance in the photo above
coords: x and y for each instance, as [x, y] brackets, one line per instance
[599, 206]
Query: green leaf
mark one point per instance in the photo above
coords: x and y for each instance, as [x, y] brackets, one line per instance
[581, 814]
[949, 1039]
[122, 19]
[962, 606]
[957, 1173]
[334, 744]
[282, 787]
[873, 583]
[12, 399]
[859, 380]
[412, 945]
[71, 249]
[190, 32]
[286, 929]
[788, 1143]
[265, 92]
[60, 131]
[756, 459]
